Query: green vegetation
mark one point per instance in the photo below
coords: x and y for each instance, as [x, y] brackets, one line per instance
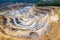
[48, 4]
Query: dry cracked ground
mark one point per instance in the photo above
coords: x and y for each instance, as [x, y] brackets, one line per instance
[53, 19]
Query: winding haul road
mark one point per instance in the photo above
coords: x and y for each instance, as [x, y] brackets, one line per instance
[26, 21]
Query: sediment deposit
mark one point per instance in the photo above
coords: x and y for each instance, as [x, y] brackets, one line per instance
[31, 23]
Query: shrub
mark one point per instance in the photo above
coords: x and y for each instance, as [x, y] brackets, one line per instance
[48, 4]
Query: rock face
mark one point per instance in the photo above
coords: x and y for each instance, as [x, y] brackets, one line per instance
[9, 5]
[34, 23]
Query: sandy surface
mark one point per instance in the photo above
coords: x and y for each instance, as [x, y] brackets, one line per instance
[53, 34]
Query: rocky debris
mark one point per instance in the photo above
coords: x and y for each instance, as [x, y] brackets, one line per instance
[17, 5]
[47, 24]
[9, 5]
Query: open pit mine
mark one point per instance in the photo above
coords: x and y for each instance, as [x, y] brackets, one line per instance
[30, 23]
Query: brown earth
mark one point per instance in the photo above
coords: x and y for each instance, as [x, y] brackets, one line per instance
[53, 34]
